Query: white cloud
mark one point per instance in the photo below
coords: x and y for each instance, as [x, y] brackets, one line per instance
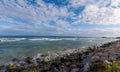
[35, 15]
[115, 3]
[97, 32]
[100, 3]
[95, 14]
[103, 12]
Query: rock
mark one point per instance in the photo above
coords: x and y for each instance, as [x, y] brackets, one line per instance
[55, 65]
[12, 67]
[29, 60]
[73, 66]
[103, 58]
[68, 64]
[1, 67]
[22, 63]
[95, 59]
[44, 55]
[86, 67]
[80, 65]
[107, 62]
[54, 70]
[75, 70]
[21, 68]
[15, 59]
[38, 60]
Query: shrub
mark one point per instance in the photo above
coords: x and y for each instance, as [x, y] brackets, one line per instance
[100, 67]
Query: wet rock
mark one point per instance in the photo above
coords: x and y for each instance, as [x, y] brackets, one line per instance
[44, 55]
[12, 68]
[38, 60]
[15, 60]
[22, 63]
[29, 60]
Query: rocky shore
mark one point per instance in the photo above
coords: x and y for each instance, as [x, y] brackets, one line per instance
[105, 58]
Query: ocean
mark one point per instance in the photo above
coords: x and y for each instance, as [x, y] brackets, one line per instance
[24, 46]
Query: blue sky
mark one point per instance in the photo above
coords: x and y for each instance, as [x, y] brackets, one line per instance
[60, 17]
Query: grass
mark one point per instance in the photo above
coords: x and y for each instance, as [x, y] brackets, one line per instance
[100, 67]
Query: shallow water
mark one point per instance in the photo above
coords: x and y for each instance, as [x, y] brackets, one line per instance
[19, 47]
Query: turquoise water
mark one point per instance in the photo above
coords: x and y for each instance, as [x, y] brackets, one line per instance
[20, 47]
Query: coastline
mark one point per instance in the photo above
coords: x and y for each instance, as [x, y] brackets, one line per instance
[69, 60]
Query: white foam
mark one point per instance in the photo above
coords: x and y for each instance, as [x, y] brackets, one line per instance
[69, 38]
[51, 39]
[34, 39]
[11, 39]
[45, 39]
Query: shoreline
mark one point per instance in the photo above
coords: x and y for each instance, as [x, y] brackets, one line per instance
[76, 59]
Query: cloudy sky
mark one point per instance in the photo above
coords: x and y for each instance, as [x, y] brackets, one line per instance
[60, 17]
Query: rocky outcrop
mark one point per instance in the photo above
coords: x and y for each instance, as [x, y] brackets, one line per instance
[92, 59]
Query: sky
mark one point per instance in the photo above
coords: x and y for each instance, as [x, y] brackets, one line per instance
[60, 18]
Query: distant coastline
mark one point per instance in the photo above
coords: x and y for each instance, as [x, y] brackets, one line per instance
[10, 36]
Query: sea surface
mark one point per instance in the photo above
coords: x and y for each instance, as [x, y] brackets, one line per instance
[24, 46]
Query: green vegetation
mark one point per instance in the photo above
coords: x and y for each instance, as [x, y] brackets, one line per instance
[100, 67]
